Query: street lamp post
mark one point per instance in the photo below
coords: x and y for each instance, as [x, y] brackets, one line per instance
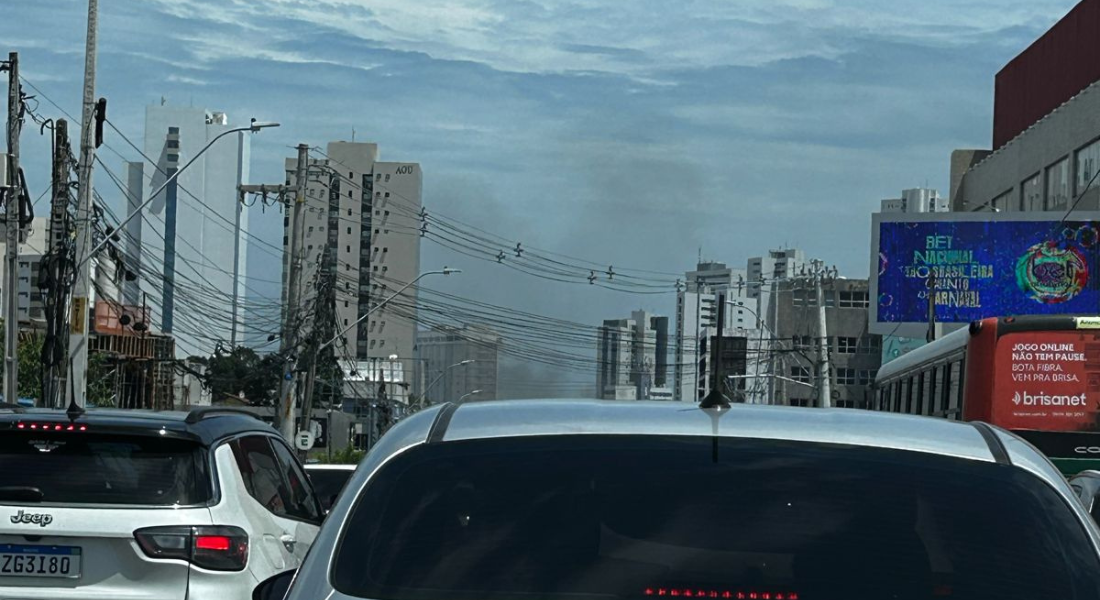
[467, 395]
[78, 342]
[307, 405]
[763, 327]
[424, 394]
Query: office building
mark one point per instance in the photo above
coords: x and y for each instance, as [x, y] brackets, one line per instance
[854, 354]
[359, 212]
[632, 358]
[917, 200]
[456, 361]
[31, 251]
[776, 265]
[189, 247]
[1046, 125]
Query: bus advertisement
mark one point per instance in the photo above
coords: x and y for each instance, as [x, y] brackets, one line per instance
[1037, 375]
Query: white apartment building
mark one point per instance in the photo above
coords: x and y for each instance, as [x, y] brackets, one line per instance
[916, 200]
[31, 303]
[359, 214]
[190, 243]
[632, 358]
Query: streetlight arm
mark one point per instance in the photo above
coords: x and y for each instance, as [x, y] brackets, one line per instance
[445, 271]
[254, 127]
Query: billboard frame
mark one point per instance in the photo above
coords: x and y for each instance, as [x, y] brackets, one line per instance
[918, 329]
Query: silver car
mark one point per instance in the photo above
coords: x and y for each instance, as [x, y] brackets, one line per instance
[568, 500]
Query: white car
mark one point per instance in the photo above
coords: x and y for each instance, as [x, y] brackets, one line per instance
[159, 505]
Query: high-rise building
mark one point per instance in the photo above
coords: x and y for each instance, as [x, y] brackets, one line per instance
[456, 361]
[31, 251]
[777, 265]
[917, 200]
[632, 358]
[359, 213]
[189, 247]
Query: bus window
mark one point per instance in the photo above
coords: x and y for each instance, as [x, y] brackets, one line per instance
[918, 395]
[958, 386]
[930, 392]
[895, 404]
[907, 400]
[945, 390]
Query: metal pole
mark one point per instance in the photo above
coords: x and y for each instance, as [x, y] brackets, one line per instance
[773, 387]
[284, 418]
[77, 389]
[823, 390]
[11, 222]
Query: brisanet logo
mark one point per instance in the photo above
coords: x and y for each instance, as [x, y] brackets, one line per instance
[1043, 399]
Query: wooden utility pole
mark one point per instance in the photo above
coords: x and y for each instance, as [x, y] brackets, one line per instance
[11, 237]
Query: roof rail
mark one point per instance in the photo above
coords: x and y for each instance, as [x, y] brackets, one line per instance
[199, 414]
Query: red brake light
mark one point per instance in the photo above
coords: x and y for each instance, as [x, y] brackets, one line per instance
[212, 542]
[51, 426]
[725, 594]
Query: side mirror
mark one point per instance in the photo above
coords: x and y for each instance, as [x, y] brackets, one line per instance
[274, 588]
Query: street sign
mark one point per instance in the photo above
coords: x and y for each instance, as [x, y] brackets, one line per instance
[304, 440]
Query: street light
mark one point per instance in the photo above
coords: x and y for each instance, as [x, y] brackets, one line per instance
[424, 394]
[253, 127]
[763, 327]
[465, 396]
[307, 406]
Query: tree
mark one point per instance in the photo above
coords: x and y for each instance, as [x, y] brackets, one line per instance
[241, 370]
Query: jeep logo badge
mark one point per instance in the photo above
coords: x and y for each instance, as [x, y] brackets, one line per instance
[41, 519]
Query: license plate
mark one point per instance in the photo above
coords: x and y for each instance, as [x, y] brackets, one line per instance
[39, 561]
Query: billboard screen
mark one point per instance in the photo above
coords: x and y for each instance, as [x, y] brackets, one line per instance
[969, 269]
[1048, 380]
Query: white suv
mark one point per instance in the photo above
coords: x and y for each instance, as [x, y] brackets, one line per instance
[157, 505]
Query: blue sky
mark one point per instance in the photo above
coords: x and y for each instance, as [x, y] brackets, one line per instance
[628, 133]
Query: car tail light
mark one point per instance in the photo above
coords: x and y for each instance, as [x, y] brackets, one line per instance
[725, 594]
[51, 426]
[217, 548]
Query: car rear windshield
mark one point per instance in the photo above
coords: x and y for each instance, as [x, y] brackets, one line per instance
[88, 468]
[650, 517]
[327, 483]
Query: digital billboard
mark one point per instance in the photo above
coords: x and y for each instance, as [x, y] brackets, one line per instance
[973, 267]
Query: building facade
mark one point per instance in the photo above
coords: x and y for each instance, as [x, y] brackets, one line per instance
[1046, 127]
[456, 361]
[854, 354]
[632, 358]
[189, 246]
[358, 216]
[31, 304]
[917, 200]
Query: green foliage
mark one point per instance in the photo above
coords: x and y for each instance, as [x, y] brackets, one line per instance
[30, 367]
[101, 387]
[243, 370]
[348, 456]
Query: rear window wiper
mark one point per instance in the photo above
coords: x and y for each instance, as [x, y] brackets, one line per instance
[21, 493]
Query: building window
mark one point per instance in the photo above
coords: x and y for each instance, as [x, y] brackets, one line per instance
[349, 248]
[387, 194]
[1058, 185]
[847, 345]
[1002, 202]
[345, 303]
[1031, 194]
[349, 214]
[378, 177]
[854, 300]
[1088, 162]
[870, 345]
[173, 157]
[846, 376]
[804, 342]
[866, 377]
[173, 143]
[349, 230]
[800, 374]
[804, 298]
[173, 130]
[387, 176]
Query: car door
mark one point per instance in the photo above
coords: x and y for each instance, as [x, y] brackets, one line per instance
[271, 509]
[303, 505]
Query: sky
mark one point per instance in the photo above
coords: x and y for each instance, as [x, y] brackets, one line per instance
[637, 134]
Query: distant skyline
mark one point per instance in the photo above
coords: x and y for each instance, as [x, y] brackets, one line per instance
[625, 133]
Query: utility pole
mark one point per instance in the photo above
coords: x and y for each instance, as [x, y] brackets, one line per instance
[824, 397]
[11, 222]
[55, 347]
[77, 387]
[284, 417]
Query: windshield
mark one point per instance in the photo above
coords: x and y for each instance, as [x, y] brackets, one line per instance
[629, 518]
[102, 469]
[328, 483]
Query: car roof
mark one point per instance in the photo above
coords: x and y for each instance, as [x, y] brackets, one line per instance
[206, 425]
[499, 419]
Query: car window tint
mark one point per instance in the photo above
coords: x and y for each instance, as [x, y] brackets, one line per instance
[89, 468]
[261, 472]
[587, 517]
[301, 503]
[328, 483]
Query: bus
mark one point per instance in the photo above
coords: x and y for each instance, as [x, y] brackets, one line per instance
[1037, 376]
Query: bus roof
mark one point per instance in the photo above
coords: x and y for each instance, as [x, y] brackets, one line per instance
[941, 347]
